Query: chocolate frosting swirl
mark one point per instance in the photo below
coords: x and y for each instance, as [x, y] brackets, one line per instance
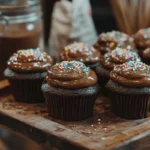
[71, 75]
[132, 74]
[110, 40]
[116, 57]
[80, 52]
[30, 60]
[142, 38]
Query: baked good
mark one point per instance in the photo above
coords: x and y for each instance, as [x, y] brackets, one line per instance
[109, 60]
[129, 88]
[142, 40]
[26, 72]
[70, 91]
[81, 52]
[110, 40]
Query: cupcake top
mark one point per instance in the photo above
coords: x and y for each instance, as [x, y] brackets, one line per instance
[116, 57]
[30, 60]
[80, 52]
[132, 74]
[71, 75]
[142, 38]
[109, 40]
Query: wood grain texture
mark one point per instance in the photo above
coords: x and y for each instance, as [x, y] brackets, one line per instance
[103, 131]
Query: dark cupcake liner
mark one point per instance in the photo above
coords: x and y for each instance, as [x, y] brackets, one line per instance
[69, 108]
[130, 106]
[103, 75]
[27, 90]
[70, 104]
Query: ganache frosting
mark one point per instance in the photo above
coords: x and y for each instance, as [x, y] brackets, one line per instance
[117, 57]
[80, 52]
[71, 75]
[132, 74]
[30, 60]
[142, 38]
[110, 40]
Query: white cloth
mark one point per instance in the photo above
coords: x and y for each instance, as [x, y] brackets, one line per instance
[71, 21]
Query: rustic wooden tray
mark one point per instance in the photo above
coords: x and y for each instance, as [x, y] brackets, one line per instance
[103, 131]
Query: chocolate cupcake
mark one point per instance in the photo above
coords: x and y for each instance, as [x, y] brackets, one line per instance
[110, 40]
[70, 91]
[26, 72]
[142, 41]
[129, 87]
[112, 58]
[81, 52]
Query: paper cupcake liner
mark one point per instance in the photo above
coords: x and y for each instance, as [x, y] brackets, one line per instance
[28, 91]
[70, 108]
[130, 106]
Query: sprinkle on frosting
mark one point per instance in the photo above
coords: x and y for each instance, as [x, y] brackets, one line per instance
[110, 40]
[118, 56]
[132, 74]
[71, 74]
[80, 52]
[30, 60]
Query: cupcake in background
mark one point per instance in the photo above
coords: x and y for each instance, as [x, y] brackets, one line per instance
[81, 52]
[146, 56]
[110, 40]
[109, 60]
[129, 88]
[26, 72]
[70, 91]
[142, 41]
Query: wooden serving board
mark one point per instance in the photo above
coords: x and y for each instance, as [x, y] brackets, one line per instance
[103, 131]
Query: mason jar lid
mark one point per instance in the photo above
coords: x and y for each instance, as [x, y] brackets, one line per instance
[18, 7]
[19, 11]
[14, 3]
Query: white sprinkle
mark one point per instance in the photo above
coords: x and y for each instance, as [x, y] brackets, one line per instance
[99, 120]
[103, 138]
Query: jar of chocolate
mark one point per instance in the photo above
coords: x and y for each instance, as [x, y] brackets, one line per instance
[20, 28]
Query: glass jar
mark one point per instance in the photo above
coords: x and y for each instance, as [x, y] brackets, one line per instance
[20, 28]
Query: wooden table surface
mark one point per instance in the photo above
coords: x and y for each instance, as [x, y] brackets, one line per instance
[103, 131]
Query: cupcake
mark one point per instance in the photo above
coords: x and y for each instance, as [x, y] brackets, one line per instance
[142, 40]
[110, 40]
[112, 58]
[70, 91]
[81, 52]
[26, 72]
[146, 56]
[129, 87]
